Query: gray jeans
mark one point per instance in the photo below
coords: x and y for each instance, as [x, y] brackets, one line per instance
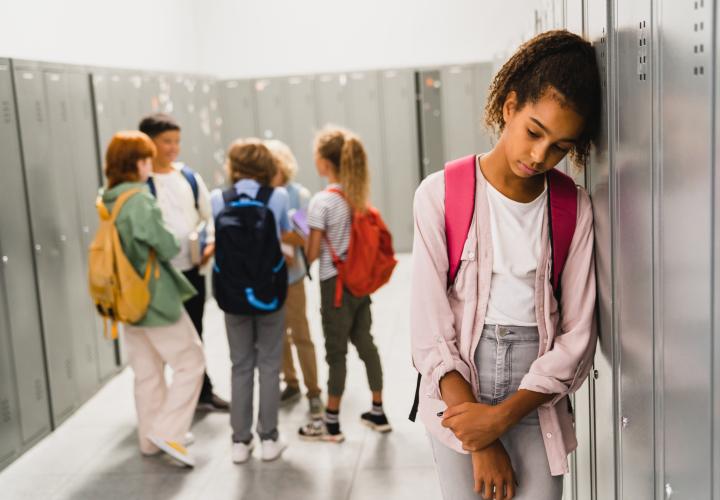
[255, 341]
[502, 358]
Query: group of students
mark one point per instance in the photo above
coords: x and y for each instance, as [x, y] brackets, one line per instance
[501, 305]
[174, 231]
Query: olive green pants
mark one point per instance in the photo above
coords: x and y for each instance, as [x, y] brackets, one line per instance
[349, 322]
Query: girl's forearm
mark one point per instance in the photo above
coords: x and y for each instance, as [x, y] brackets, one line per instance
[519, 404]
[455, 389]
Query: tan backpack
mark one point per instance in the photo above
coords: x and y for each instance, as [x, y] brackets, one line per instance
[120, 294]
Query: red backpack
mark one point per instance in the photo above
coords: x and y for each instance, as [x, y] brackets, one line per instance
[370, 258]
[460, 188]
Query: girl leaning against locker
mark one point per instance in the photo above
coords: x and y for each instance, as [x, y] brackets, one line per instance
[498, 354]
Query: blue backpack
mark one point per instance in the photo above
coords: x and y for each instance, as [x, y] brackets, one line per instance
[250, 276]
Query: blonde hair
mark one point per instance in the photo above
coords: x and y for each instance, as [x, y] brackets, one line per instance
[285, 159]
[251, 159]
[345, 152]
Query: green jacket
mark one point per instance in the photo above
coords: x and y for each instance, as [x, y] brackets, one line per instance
[141, 227]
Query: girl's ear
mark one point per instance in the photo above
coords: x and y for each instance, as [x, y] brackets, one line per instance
[510, 106]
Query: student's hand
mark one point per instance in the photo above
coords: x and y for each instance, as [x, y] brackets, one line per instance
[476, 425]
[207, 254]
[293, 238]
[492, 469]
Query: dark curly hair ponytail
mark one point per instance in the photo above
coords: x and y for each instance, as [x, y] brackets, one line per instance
[557, 59]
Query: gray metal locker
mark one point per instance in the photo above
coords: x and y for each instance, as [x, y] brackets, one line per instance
[428, 88]
[362, 98]
[216, 142]
[633, 266]
[462, 114]
[18, 275]
[482, 78]
[270, 108]
[402, 165]
[87, 180]
[686, 252]
[209, 140]
[65, 136]
[301, 128]
[330, 100]
[49, 228]
[9, 427]
[599, 181]
[237, 107]
[103, 113]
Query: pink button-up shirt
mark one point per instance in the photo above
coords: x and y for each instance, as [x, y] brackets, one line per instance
[446, 323]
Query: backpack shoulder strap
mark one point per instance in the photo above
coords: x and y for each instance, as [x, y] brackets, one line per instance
[229, 194]
[264, 193]
[189, 175]
[120, 201]
[562, 202]
[460, 178]
[151, 186]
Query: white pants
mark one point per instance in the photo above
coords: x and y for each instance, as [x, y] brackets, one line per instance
[165, 411]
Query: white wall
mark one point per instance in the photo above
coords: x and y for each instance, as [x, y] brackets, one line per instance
[142, 34]
[241, 38]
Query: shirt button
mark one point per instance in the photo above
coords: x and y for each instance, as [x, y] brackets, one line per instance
[471, 255]
[548, 435]
[439, 340]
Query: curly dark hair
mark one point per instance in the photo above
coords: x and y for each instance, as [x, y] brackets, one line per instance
[557, 59]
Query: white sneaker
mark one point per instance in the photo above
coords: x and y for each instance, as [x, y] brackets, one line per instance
[174, 449]
[271, 450]
[241, 452]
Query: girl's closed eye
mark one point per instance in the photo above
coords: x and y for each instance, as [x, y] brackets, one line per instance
[532, 134]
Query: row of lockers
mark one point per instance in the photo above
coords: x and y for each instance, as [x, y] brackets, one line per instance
[648, 419]
[56, 121]
[410, 121]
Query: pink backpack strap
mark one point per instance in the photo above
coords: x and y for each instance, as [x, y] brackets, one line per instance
[562, 199]
[459, 208]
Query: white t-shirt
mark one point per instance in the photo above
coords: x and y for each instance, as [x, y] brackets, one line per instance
[330, 212]
[177, 204]
[516, 230]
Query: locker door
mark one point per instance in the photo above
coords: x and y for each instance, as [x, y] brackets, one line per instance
[65, 138]
[634, 264]
[205, 97]
[103, 108]
[86, 179]
[330, 100]
[428, 88]
[19, 275]
[9, 428]
[46, 204]
[362, 97]
[602, 387]
[216, 144]
[461, 114]
[270, 109]
[482, 78]
[401, 153]
[182, 95]
[237, 104]
[686, 252]
[301, 128]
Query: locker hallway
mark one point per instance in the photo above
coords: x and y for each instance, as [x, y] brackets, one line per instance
[94, 454]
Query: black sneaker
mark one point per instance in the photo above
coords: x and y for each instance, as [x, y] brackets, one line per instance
[290, 394]
[213, 403]
[318, 431]
[377, 423]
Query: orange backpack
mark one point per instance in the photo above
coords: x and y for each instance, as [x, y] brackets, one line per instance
[119, 293]
[370, 258]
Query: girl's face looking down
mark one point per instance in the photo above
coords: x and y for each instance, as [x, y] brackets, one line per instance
[538, 135]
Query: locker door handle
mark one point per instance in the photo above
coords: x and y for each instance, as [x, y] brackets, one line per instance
[5, 259]
[38, 248]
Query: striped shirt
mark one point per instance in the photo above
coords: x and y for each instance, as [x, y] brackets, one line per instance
[330, 212]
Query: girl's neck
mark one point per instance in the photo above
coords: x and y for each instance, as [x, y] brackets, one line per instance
[496, 169]
[332, 179]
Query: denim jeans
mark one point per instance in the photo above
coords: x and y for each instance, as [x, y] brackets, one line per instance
[503, 356]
